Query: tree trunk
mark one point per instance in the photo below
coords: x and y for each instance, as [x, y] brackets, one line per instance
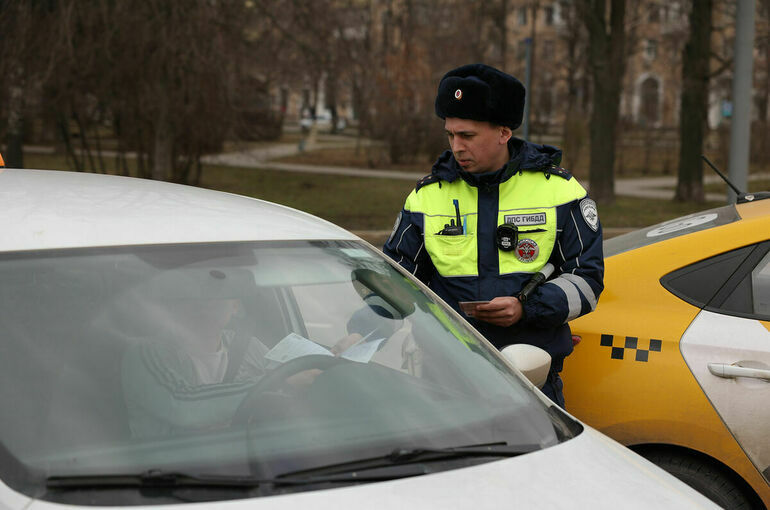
[162, 159]
[694, 103]
[14, 138]
[607, 62]
[761, 152]
[574, 126]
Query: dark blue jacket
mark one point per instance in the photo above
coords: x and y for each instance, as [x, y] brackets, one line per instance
[575, 250]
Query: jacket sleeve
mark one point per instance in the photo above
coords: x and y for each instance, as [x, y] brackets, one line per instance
[406, 245]
[578, 260]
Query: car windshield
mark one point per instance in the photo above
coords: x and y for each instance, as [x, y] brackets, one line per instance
[237, 360]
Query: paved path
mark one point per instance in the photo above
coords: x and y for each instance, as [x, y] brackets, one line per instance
[660, 188]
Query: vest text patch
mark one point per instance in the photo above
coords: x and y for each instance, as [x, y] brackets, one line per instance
[526, 219]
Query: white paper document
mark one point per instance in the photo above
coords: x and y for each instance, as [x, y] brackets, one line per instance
[363, 350]
[295, 346]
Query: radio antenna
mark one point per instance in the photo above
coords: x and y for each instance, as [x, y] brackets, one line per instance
[737, 192]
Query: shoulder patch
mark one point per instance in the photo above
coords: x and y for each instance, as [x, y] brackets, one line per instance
[395, 227]
[590, 214]
[428, 179]
[561, 172]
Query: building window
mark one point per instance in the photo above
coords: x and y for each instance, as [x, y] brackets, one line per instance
[522, 15]
[521, 49]
[548, 48]
[650, 102]
[653, 16]
[548, 12]
[651, 49]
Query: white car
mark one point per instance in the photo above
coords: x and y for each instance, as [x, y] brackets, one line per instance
[162, 344]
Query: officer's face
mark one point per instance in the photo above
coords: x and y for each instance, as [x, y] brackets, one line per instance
[478, 146]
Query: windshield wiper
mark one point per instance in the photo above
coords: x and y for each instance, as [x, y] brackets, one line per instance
[409, 461]
[150, 478]
[412, 457]
[156, 478]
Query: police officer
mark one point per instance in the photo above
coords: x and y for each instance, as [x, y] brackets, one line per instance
[494, 211]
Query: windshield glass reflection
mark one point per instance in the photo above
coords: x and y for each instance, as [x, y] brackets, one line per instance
[247, 359]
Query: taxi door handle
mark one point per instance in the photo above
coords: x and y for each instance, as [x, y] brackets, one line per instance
[731, 371]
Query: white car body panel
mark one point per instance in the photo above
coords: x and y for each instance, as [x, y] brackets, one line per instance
[45, 210]
[589, 471]
[743, 403]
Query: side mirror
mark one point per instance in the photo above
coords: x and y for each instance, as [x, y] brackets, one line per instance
[531, 361]
[385, 288]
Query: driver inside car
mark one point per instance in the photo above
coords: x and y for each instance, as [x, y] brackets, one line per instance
[195, 376]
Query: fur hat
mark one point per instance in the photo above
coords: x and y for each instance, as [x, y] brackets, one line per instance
[481, 92]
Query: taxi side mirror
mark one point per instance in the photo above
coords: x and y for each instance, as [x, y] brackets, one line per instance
[531, 361]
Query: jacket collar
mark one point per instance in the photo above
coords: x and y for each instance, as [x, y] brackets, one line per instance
[525, 156]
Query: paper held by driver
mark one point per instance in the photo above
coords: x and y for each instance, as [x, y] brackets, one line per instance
[295, 346]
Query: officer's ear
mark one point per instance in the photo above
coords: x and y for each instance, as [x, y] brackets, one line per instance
[505, 134]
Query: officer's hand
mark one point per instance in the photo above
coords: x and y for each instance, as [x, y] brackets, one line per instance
[501, 311]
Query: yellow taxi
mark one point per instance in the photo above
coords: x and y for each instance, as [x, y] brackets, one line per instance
[675, 361]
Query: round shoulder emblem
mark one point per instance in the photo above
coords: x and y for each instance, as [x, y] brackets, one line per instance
[590, 215]
[458, 94]
[527, 250]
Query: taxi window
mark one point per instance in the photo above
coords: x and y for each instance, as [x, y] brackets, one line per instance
[669, 229]
[698, 283]
[760, 285]
[747, 294]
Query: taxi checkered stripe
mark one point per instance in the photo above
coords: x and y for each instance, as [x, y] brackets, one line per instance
[630, 343]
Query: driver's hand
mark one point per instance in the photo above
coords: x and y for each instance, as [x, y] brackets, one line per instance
[345, 342]
[303, 379]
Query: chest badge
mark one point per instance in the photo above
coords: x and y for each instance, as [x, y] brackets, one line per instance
[507, 236]
[527, 250]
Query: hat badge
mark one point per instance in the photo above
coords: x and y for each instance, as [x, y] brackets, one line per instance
[458, 94]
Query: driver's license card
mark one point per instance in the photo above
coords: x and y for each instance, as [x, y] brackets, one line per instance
[469, 307]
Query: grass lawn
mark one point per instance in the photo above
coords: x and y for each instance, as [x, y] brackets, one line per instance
[758, 185]
[355, 203]
[362, 157]
[372, 204]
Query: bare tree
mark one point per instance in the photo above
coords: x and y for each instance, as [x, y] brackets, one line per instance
[607, 62]
[694, 102]
[761, 150]
[26, 53]
[575, 67]
[163, 74]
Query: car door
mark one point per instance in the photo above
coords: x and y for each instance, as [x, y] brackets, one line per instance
[727, 348]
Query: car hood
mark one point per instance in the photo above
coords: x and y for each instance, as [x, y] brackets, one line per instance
[590, 471]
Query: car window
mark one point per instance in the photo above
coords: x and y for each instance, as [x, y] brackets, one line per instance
[736, 282]
[670, 229]
[698, 283]
[242, 359]
[747, 294]
[760, 285]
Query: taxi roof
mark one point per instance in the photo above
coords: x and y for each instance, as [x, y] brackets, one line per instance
[755, 209]
[44, 209]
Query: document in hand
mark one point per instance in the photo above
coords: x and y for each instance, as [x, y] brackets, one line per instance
[295, 346]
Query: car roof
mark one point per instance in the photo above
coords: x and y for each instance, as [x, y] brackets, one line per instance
[45, 209]
[755, 209]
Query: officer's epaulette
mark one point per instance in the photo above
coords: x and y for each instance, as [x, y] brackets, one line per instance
[428, 179]
[557, 170]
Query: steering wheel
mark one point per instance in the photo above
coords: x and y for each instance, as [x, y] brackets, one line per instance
[265, 396]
